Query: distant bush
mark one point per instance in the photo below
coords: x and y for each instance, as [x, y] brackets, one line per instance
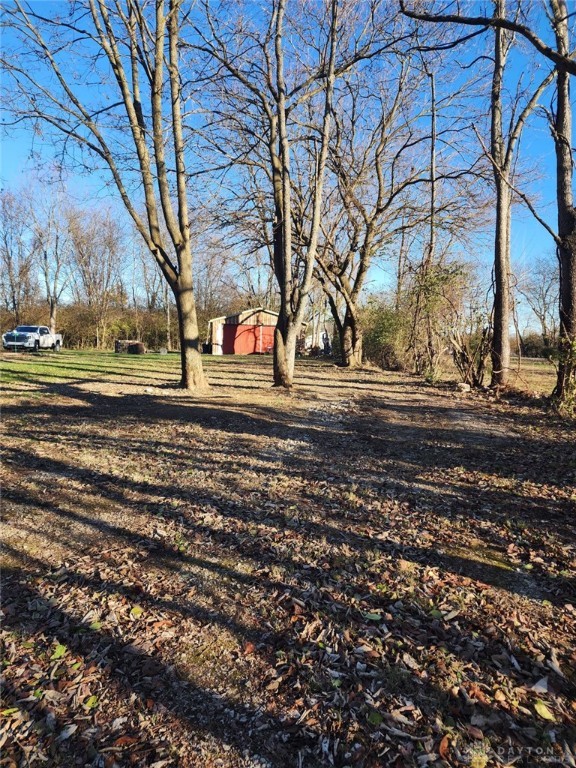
[384, 335]
[534, 345]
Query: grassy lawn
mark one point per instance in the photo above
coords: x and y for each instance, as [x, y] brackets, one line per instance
[530, 375]
[533, 375]
[23, 368]
[367, 572]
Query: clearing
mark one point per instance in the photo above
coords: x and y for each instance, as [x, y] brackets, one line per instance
[369, 572]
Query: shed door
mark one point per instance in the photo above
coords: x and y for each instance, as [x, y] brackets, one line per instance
[247, 339]
[239, 340]
[228, 339]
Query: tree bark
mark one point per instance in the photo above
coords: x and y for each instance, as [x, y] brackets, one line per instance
[190, 353]
[351, 341]
[500, 351]
[168, 324]
[562, 134]
[285, 336]
[53, 309]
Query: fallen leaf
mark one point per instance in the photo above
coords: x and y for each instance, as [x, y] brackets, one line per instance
[500, 696]
[476, 733]
[554, 664]
[66, 732]
[124, 741]
[91, 702]
[59, 651]
[543, 711]
[375, 718]
[443, 747]
[9, 711]
[369, 616]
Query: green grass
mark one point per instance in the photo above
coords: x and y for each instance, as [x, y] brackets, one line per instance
[24, 368]
[46, 371]
[533, 376]
[80, 364]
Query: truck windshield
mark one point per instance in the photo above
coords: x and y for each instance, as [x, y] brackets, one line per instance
[27, 329]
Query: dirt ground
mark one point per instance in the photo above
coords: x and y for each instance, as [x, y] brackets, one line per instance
[366, 572]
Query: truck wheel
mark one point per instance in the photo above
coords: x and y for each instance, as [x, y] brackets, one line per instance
[36, 346]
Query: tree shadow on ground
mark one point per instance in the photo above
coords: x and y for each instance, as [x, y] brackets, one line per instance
[314, 566]
[338, 527]
[143, 678]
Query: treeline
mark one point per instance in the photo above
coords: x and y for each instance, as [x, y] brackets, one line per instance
[84, 272]
[425, 327]
[322, 141]
[81, 329]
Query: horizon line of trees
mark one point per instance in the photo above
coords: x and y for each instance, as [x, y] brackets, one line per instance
[320, 138]
[82, 272]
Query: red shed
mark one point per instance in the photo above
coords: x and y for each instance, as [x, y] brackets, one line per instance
[248, 333]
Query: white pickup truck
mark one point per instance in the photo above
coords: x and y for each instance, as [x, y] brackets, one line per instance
[34, 337]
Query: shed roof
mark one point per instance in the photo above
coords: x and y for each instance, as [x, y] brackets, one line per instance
[254, 313]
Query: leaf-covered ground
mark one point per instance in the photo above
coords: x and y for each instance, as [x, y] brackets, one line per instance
[369, 572]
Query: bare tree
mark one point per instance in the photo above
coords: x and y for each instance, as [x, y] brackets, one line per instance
[561, 57]
[561, 128]
[374, 162]
[469, 328]
[539, 287]
[18, 255]
[124, 114]
[96, 241]
[502, 157]
[248, 239]
[501, 153]
[149, 278]
[276, 73]
[52, 241]
[217, 289]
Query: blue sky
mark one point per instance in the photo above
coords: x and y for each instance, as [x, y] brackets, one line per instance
[19, 167]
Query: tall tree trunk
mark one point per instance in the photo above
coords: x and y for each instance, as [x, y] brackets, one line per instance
[400, 270]
[432, 236]
[190, 348]
[281, 372]
[285, 336]
[190, 354]
[168, 321]
[53, 309]
[282, 270]
[351, 341]
[500, 351]
[562, 133]
[294, 289]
